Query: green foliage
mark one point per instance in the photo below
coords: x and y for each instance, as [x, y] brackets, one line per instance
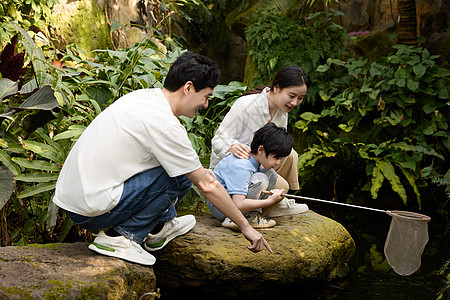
[276, 41]
[34, 148]
[387, 119]
[26, 13]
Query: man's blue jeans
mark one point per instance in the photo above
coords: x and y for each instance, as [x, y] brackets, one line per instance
[147, 199]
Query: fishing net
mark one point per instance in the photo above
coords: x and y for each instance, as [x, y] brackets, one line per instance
[406, 240]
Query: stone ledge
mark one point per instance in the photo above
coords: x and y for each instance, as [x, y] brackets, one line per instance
[69, 271]
[306, 247]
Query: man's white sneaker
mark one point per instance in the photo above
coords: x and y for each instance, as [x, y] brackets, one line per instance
[287, 207]
[172, 229]
[121, 247]
[256, 222]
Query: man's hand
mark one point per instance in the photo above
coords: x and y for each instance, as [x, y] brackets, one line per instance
[256, 238]
[240, 151]
[212, 190]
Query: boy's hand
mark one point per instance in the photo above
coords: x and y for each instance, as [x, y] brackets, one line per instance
[275, 195]
[240, 151]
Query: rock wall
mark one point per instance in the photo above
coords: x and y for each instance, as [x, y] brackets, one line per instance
[87, 22]
[381, 18]
[80, 22]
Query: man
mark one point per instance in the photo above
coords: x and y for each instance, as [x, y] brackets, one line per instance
[134, 161]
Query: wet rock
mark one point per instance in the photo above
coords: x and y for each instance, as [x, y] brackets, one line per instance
[306, 246]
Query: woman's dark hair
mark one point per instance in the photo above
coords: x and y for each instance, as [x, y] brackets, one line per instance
[290, 76]
[275, 140]
[285, 77]
[190, 66]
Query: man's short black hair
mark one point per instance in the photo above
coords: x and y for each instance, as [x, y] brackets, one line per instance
[275, 140]
[190, 66]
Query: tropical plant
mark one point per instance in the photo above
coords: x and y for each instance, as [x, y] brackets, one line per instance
[386, 119]
[26, 13]
[43, 118]
[44, 115]
[276, 41]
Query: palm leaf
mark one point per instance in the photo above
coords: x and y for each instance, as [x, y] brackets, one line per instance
[37, 189]
[7, 185]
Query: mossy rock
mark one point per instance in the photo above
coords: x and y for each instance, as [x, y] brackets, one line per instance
[82, 23]
[306, 246]
[69, 271]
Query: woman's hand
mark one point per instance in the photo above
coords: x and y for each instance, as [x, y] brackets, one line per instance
[240, 150]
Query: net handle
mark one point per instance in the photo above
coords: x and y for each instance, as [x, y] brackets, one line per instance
[400, 214]
[330, 202]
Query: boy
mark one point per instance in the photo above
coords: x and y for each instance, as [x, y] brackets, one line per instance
[245, 181]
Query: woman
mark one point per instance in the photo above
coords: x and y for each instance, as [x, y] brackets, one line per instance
[251, 112]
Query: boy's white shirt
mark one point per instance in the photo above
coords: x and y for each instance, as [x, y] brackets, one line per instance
[248, 114]
[136, 133]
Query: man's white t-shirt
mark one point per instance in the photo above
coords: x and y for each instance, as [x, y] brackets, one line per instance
[136, 133]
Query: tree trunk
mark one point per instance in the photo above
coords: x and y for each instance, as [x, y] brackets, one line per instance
[407, 27]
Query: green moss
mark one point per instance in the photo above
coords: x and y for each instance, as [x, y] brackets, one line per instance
[58, 289]
[84, 26]
[22, 292]
[52, 246]
[95, 291]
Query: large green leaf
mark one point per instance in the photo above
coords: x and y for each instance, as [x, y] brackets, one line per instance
[52, 215]
[37, 189]
[7, 87]
[37, 177]
[44, 99]
[7, 161]
[44, 150]
[377, 181]
[7, 184]
[36, 164]
[389, 173]
[412, 181]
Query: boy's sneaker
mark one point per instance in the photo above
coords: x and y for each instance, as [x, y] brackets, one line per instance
[121, 247]
[256, 222]
[172, 229]
[287, 207]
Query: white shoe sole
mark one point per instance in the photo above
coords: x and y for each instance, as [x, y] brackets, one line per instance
[174, 234]
[148, 262]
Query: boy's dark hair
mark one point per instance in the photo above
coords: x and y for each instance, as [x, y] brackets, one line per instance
[275, 140]
[190, 66]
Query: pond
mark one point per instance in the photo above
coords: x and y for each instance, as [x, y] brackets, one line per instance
[369, 276]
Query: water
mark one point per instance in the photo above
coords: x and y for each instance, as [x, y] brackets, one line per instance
[369, 276]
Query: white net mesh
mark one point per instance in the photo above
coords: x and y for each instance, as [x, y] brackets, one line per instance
[406, 240]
